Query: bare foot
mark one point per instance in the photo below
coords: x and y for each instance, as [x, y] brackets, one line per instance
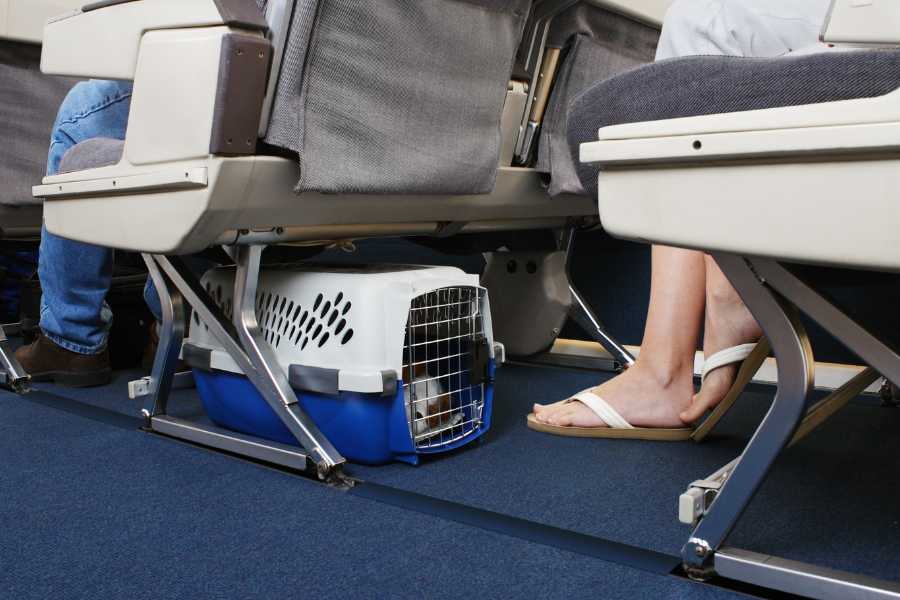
[642, 395]
[728, 323]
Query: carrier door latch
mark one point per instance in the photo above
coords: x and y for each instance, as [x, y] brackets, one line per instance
[481, 359]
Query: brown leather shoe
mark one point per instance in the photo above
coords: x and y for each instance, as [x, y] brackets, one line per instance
[46, 361]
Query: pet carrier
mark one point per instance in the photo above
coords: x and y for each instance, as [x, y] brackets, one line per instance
[391, 362]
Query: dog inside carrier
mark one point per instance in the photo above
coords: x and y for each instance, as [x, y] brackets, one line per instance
[390, 361]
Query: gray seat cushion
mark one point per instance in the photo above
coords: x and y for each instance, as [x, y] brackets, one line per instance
[705, 85]
[92, 154]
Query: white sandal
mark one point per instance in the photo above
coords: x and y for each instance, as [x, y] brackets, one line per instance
[617, 426]
[751, 356]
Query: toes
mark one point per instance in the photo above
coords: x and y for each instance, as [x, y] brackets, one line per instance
[706, 400]
[693, 412]
[562, 418]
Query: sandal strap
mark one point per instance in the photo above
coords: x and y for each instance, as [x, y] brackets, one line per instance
[725, 357]
[602, 409]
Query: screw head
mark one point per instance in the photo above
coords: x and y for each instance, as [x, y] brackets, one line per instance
[700, 551]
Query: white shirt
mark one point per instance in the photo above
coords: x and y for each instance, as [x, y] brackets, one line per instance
[761, 28]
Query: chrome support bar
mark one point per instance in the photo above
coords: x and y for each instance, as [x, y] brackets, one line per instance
[696, 501]
[171, 335]
[808, 581]
[781, 323]
[869, 348]
[582, 313]
[230, 441]
[177, 286]
[269, 377]
[12, 375]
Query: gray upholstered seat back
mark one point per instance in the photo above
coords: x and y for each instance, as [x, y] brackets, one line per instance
[705, 85]
[29, 101]
[392, 96]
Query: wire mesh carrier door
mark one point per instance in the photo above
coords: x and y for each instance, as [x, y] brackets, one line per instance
[445, 366]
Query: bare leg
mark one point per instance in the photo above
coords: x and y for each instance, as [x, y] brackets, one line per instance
[659, 387]
[728, 323]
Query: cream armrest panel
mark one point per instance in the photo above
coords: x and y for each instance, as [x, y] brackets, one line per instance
[104, 43]
[23, 20]
[863, 22]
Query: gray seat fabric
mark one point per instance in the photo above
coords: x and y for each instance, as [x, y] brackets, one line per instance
[598, 44]
[29, 101]
[392, 96]
[705, 85]
[92, 154]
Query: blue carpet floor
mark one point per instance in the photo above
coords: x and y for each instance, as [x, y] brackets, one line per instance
[91, 507]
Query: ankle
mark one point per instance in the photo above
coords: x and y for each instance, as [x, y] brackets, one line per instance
[668, 374]
[723, 296]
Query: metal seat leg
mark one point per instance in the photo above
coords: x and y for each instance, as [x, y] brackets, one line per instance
[157, 387]
[582, 313]
[795, 372]
[12, 375]
[244, 343]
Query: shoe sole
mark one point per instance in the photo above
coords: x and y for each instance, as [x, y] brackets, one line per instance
[75, 380]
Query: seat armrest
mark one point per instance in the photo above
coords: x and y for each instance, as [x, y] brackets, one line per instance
[102, 39]
[875, 22]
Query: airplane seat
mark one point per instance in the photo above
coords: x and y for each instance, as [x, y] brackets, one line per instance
[776, 167]
[394, 111]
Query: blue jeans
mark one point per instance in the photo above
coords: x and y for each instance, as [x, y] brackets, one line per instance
[75, 277]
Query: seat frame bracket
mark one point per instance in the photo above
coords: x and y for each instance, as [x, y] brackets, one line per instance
[178, 287]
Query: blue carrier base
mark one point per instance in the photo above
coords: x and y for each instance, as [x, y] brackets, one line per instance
[365, 428]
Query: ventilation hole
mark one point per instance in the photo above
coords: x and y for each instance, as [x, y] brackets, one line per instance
[280, 324]
[346, 308]
[333, 317]
[317, 302]
[338, 298]
[317, 332]
[303, 319]
[347, 337]
[283, 302]
[311, 324]
[293, 331]
[196, 319]
[305, 342]
[324, 339]
[268, 301]
[290, 309]
[297, 338]
[297, 314]
[698, 144]
[325, 309]
[340, 326]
